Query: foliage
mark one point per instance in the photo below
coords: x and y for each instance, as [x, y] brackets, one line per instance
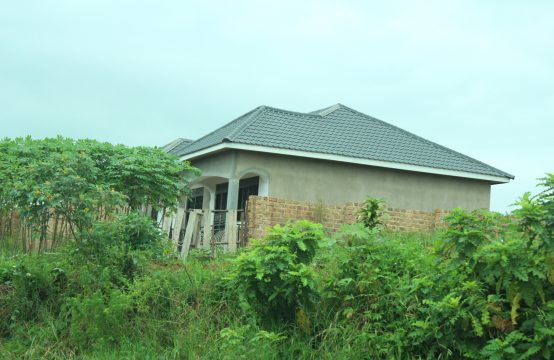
[483, 288]
[244, 343]
[371, 214]
[374, 288]
[274, 276]
[134, 230]
[486, 291]
[81, 181]
[98, 319]
[144, 175]
[80, 303]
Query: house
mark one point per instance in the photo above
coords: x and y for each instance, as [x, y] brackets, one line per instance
[331, 156]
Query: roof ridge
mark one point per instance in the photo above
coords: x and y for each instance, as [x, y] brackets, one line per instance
[427, 141]
[251, 118]
[292, 112]
[330, 110]
[226, 125]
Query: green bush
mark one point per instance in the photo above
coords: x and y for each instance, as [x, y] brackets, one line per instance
[115, 244]
[98, 319]
[134, 230]
[274, 276]
[372, 213]
[244, 342]
[30, 286]
[373, 292]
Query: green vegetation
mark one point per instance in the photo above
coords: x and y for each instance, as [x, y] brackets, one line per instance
[274, 277]
[53, 189]
[483, 288]
[372, 213]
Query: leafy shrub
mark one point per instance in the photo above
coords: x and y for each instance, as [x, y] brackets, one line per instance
[163, 294]
[243, 342]
[373, 291]
[139, 231]
[467, 231]
[274, 276]
[116, 249]
[98, 320]
[133, 230]
[372, 213]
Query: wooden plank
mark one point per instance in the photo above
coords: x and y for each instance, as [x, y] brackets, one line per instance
[207, 220]
[191, 225]
[179, 221]
[196, 233]
[166, 225]
[231, 230]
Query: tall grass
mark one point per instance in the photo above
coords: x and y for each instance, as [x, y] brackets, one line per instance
[143, 304]
[10, 246]
[377, 296]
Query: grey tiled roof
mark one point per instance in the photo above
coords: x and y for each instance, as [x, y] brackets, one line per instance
[173, 146]
[338, 130]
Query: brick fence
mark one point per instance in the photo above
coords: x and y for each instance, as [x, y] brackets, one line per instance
[264, 212]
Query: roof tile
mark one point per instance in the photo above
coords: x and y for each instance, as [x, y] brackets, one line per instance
[338, 130]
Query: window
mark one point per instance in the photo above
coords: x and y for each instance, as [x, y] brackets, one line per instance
[196, 199]
[221, 191]
[221, 196]
[247, 187]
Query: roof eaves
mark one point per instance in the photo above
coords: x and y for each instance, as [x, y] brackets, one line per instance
[498, 171]
[350, 159]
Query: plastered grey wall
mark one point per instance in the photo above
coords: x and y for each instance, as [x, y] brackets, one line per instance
[331, 182]
[221, 164]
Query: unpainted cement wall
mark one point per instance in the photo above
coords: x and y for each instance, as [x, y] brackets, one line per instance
[311, 180]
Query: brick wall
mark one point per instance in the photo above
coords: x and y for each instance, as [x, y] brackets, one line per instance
[264, 212]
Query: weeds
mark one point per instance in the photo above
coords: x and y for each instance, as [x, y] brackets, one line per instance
[482, 289]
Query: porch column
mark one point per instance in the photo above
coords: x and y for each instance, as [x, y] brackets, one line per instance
[233, 194]
[207, 204]
[232, 204]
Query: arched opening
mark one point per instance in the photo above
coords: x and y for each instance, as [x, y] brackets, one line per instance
[252, 182]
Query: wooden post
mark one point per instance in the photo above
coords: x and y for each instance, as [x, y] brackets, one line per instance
[179, 219]
[191, 228]
[166, 225]
[207, 220]
[196, 233]
[231, 230]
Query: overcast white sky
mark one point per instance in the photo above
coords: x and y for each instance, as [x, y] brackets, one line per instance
[476, 76]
